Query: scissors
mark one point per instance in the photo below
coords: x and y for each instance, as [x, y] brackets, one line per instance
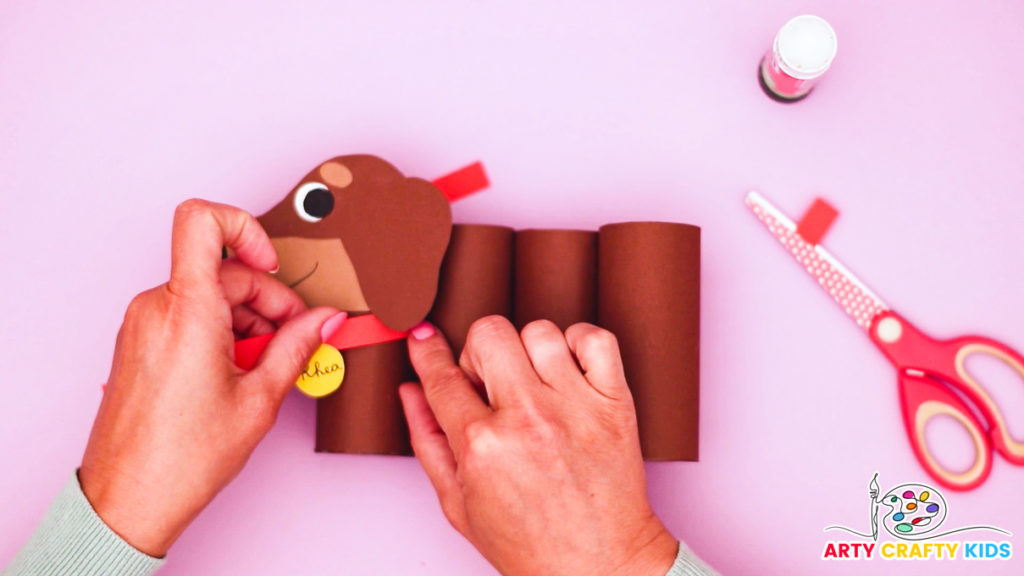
[929, 370]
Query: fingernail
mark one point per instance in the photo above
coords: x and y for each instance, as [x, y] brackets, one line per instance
[331, 325]
[422, 331]
[276, 269]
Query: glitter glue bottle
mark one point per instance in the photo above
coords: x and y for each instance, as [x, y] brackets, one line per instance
[803, 50]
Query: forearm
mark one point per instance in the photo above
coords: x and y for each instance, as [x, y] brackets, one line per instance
[72, 539]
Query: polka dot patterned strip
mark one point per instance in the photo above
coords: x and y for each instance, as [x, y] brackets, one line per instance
[855, 298]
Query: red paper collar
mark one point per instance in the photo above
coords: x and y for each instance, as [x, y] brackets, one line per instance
[364, 330]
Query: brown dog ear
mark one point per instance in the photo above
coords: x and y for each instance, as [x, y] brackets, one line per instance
[396, 236]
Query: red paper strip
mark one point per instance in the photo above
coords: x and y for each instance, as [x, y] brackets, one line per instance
[248, 351]
[363, 330]
[463, 182]
[356, 331]
[816, 221]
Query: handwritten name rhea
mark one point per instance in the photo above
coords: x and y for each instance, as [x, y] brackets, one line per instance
[315, 371]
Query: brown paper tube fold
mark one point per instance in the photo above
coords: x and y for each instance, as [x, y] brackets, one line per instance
[649, 297]
[364, 416]
[555, 277]
[476, 280]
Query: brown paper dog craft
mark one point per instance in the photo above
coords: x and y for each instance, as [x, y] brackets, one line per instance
[357, 234]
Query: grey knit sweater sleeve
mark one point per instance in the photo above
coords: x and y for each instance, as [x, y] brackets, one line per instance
[72, 539]
[687, 564]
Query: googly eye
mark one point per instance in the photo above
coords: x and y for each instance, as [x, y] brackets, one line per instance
[313, 201]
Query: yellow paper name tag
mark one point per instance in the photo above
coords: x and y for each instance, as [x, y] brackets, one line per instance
[323, 374]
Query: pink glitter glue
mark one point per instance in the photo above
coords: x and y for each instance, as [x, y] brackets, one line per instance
[802, 52]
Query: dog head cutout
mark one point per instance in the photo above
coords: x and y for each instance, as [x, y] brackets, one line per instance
[358, 235]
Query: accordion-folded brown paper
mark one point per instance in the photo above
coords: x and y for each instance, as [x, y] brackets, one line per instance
[365, 416]
[476, 280]
[640, 280]
[556, 277]
[649, 297]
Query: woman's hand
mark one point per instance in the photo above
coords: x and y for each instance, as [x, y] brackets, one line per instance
[546, 477]
[178, 419]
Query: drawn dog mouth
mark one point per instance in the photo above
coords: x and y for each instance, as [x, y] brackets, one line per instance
[304, 278]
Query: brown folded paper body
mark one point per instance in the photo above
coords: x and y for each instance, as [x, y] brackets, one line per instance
[640, 280]
[476, 280]
[649, 297]
[364, 416]
[556, 277]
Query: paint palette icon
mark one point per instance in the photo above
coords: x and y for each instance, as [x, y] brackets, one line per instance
[914, 510]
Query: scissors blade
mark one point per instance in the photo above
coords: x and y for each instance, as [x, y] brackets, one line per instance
[856, 299]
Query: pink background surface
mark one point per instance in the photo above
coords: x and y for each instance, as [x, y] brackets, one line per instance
[584, 113]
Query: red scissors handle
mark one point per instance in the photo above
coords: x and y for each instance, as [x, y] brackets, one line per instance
[923, 399]
[1008, 446]
[910, 350]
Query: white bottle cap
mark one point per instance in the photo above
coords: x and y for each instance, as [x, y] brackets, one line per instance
[805, 47]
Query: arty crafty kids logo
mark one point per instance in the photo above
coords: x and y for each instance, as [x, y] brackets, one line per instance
[913, 514]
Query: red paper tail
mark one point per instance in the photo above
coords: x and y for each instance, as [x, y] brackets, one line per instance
[463, 182]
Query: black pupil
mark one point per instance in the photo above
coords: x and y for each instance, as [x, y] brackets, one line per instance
[318, 203]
